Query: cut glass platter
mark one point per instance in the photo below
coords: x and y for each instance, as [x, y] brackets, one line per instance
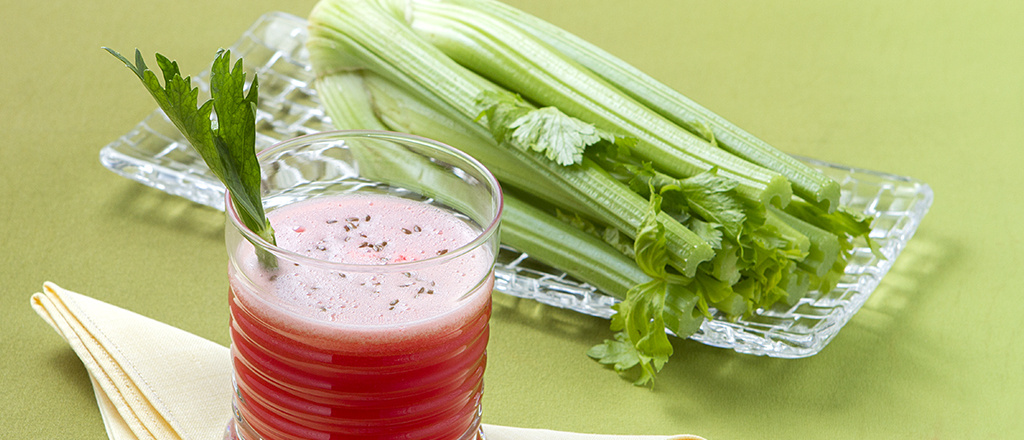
[155, 154]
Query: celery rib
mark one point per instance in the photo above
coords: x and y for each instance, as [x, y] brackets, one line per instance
[579, 254]
[824, 246]
[586, 188]
[502, 53]
[349, 35]
[807, 183]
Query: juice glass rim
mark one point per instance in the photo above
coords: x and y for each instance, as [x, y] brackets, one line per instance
[482, 238]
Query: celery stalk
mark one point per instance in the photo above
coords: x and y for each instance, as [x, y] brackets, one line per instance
[348, 36]
[387, 162]
[807, 183]
[530, 230]
[824, 246]
[586, 189]
[400, 111]
[504, 54]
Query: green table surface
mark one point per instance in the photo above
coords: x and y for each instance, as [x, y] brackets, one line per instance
[928, 89]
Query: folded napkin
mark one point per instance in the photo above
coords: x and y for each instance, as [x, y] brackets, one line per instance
[154, 381]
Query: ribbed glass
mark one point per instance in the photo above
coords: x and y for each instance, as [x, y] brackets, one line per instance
[379, 340]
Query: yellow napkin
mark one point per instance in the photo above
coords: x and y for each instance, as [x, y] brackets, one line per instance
[154, 381]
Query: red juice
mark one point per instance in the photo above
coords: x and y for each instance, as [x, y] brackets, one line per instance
[385, 346]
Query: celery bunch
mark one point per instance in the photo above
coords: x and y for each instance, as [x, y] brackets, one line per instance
[610, 176]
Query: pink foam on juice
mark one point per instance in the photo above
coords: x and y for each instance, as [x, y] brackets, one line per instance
[322, 353]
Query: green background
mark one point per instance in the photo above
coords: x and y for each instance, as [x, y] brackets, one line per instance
[926, 89]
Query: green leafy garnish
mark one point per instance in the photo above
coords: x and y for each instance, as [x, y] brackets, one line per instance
[228, 145]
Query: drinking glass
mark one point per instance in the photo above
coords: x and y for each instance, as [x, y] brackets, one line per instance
[381, 339]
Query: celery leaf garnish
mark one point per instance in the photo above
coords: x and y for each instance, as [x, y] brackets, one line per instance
[229, 146]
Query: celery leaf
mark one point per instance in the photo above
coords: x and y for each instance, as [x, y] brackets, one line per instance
[618, 353]
[608, 234]
[560, 137]
[707, 194]
[712, 197]
[229, 146]
[707, 231]
[501, 109]
[641, 317]
[649, 244]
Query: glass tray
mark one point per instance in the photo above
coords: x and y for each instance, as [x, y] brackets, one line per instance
[155, 154]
